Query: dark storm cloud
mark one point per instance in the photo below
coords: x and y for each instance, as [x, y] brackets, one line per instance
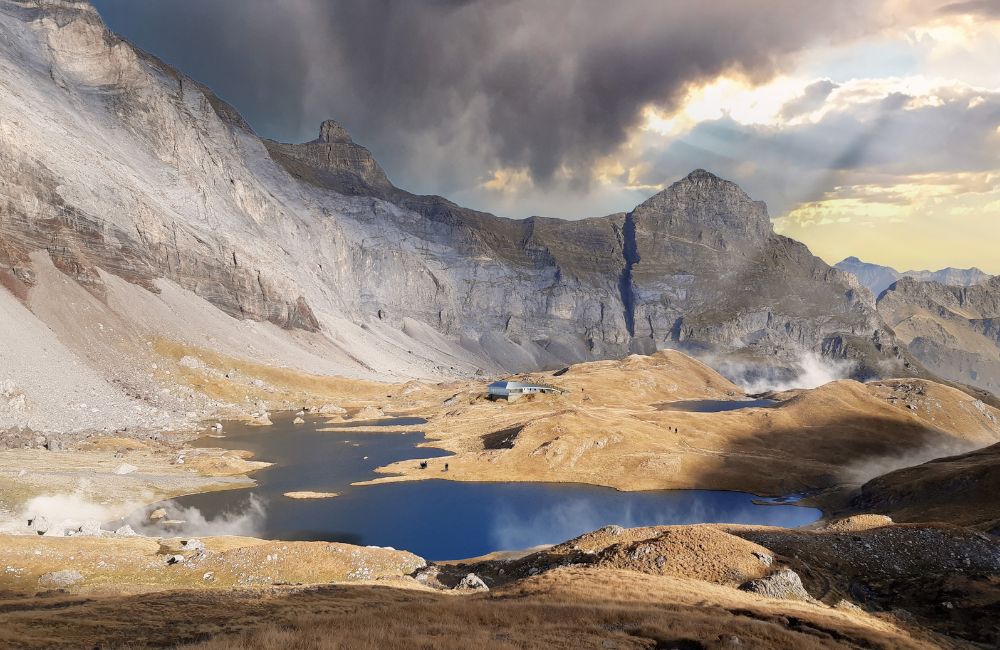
[444, 90]
[989, 8]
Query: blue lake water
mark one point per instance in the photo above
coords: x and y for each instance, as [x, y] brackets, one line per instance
[437, 519]
[716, 406]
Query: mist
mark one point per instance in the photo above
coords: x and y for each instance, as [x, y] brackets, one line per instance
[70, 511]
[865, 470]
[808, 371]
[244, 520]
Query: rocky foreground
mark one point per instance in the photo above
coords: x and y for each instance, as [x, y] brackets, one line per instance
[860, 582]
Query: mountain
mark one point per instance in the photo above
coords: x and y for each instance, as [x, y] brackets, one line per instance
[953, 331]
[878, 278]
[142, 216]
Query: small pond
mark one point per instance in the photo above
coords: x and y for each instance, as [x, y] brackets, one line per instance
[437, 519]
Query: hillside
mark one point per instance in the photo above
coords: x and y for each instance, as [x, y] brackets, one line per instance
[636, 424]
[958, 489]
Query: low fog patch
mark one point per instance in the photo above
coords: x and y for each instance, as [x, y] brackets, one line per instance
[68, 512]
[867, 469]
[245, 520]
[809, 371]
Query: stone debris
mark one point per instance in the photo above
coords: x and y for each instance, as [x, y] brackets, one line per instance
[429, 576]
[125, 531]
[125, 468]
[90, 528]
[175, 559]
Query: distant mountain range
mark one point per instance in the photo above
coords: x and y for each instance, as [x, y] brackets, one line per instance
[878, 278]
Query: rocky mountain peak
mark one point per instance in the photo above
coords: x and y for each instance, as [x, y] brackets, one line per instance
[702, 201]
[331, 131]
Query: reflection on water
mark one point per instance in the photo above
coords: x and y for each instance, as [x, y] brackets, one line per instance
[440, 519]
[715, 406]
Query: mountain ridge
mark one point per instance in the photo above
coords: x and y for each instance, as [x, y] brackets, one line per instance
[878, 278]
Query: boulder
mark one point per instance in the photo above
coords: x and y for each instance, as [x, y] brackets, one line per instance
[261, 419]
[59, 579]
[175, 559]
[784, 584]
[298, 421]
[157, 514]
[331, 409]
[472, 582]
[39, 524]
[125, 468]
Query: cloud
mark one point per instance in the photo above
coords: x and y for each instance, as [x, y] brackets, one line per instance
[444, 92]
[865, 134]
[812, 98]
[989, 8]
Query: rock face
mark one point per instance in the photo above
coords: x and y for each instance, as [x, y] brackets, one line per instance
[141, 186]
[878, 278]
[953, 331]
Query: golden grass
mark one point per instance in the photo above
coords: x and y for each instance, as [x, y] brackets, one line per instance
[112, 565]
[282, 384]
[606, 429]
[565, 608]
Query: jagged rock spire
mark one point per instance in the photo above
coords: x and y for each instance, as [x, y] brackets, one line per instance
[331, 131]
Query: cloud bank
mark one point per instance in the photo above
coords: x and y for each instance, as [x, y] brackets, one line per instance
[465, 86]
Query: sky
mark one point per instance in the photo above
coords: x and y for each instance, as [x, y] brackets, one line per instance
[869, 127]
